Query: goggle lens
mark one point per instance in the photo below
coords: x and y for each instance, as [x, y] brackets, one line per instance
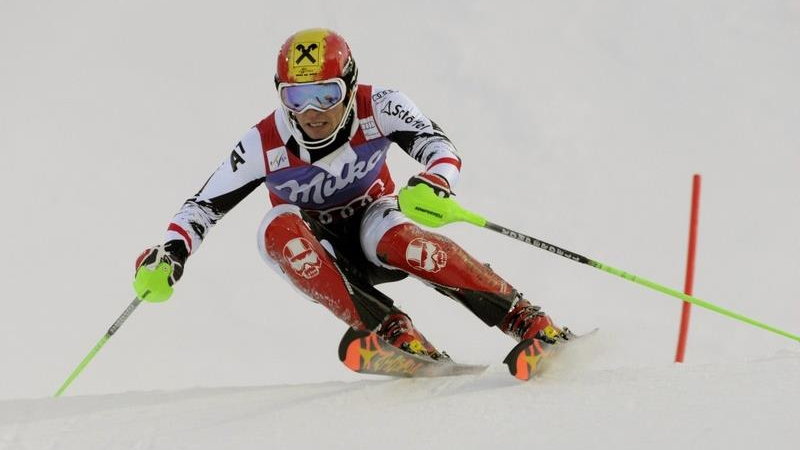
[320, 96]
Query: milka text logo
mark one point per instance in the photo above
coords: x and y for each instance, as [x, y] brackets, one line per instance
[540, 244]
[324, 184]
[405, 115]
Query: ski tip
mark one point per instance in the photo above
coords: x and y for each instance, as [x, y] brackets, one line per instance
[524, 359]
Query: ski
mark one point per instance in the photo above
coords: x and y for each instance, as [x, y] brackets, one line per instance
[365, 352]
[530, 356]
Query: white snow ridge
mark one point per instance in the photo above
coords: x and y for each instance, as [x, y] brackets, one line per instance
[741, 405]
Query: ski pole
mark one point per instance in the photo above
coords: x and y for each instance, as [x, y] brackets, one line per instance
[418, 204]
[118, 323]
[152, 285]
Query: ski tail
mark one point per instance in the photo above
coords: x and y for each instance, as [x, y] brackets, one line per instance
[531, 356]
[524, 359]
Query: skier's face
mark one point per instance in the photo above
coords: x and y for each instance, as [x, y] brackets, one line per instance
[320, 124]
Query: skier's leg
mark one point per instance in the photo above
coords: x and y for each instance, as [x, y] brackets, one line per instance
[389, 239]
[287, 244]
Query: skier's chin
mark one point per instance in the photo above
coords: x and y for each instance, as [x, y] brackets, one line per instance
[318, 131]
[320, 124]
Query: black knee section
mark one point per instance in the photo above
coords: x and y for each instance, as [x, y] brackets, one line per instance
[372, 305]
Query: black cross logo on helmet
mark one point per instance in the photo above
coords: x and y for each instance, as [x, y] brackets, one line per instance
[306, 53]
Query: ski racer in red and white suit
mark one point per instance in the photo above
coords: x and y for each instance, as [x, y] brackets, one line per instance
[335, 229]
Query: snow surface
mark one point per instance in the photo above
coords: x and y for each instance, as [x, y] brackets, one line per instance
[570, 406]
[580, 122]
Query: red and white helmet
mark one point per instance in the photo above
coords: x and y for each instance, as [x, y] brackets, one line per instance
[315, 70]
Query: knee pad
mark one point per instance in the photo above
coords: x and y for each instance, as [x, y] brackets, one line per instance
[288, 245]
[290, 212]
[380, 217]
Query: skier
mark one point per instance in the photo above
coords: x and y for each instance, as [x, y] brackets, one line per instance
[335, 229]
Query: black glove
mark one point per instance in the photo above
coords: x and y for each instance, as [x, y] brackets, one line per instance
[436, 182]
[173, 253]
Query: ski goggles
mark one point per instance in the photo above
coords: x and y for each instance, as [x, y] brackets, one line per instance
[299, 98]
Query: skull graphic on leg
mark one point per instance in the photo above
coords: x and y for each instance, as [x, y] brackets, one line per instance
[425, 255]
[302, 258]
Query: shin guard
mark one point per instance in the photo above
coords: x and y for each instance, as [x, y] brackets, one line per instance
[289, 242]
[437, 259]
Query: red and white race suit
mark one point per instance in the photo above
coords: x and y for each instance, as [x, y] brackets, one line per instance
[323, 208]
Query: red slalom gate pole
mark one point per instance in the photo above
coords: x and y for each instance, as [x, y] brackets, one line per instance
[689, 281]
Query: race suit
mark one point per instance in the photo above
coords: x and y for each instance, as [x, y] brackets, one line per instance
[335, 229]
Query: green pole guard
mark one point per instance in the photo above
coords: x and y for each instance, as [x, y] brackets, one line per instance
[152, 285]
[422, 205]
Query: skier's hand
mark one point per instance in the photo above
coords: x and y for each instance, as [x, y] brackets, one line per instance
[157, 269]
[429, 201]
[440, 186]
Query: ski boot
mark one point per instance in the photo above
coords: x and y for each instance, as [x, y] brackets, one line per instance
[526, 321]
[399, 332]
[537, 337]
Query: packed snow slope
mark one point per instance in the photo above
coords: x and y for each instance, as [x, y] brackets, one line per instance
[737, 405]
[580, 122]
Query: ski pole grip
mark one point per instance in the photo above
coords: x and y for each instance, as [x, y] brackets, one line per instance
[420, 204]
[152, 285]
